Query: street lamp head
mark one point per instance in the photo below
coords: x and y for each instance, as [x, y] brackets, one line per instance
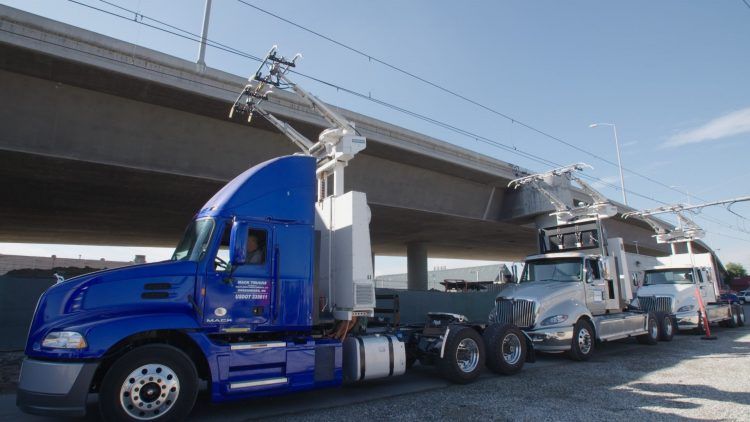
[594, 125]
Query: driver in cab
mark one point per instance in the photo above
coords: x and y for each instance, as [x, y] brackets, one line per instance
[254, 252]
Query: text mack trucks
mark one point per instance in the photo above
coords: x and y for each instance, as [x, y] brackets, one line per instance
[578, 289]
[267, 293]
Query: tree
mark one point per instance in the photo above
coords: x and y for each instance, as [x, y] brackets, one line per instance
[735, 270]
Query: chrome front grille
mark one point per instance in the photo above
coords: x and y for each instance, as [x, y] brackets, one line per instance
[518, 312]
[655, 303]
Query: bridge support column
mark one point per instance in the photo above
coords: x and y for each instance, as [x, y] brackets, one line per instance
[416, 266]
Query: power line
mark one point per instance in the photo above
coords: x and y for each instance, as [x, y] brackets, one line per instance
[138, 18]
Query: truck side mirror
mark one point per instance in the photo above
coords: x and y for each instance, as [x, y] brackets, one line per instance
[238, 244]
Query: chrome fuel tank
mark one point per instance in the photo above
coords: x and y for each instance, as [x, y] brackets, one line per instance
[373, 356]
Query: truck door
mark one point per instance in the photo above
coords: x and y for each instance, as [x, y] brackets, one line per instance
[706, 286]
[595, 285]
[241, 296]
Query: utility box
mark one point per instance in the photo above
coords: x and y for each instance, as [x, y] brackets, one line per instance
[345, 285]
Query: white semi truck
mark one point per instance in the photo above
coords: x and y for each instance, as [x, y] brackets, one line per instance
[578, 289]
[680, 284]
[685, 286]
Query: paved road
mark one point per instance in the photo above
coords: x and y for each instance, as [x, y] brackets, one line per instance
[688, 378]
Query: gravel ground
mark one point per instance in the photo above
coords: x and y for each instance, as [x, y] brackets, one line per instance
[687, 379]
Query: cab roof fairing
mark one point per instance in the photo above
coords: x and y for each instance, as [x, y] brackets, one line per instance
[280, 189]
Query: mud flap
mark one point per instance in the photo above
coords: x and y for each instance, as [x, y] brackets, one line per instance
[530, 351]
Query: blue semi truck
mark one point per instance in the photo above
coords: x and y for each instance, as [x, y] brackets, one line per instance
[270, 291]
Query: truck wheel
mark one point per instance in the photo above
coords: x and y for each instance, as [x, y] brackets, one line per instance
[463, 356]
[152, 382]
[582, 345]
[741, 313]
[734, 317]
[652, 335]
[666, 326]
[506, 348]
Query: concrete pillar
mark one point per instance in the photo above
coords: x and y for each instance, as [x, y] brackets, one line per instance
[416, 266]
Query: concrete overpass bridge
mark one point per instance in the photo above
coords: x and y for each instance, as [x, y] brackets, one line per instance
[105, 142]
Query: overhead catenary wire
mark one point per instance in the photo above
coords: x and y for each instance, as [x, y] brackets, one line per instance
[139, 19]
[456, 94]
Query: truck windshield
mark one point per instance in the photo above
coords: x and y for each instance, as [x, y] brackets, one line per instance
[670, 276]
[553, 270]
[195, 241]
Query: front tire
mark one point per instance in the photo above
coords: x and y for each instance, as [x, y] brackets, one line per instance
[506, 348]
[153, 382]
[463, 357]
[667, 326]
[582, 345]
[653, 333]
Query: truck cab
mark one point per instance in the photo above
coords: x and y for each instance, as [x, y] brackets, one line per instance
[233, 306]
[575, 292]
[686, 286]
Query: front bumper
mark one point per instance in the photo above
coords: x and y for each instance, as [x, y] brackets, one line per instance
[54, 388]
[687, 320]
[554, 339]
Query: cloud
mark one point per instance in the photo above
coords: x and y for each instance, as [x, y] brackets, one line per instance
[734, 123]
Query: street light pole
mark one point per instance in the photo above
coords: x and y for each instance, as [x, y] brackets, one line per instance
[619, 161]
[204, 34]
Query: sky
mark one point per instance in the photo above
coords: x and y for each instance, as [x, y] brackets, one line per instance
[672, 76]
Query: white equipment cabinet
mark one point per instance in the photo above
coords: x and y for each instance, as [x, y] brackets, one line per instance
[345, 269]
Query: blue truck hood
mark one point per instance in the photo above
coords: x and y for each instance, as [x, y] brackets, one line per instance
[121, 291]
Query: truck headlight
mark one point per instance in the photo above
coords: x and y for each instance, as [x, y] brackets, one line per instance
[555, 319]
[686, 308]
[64, 340]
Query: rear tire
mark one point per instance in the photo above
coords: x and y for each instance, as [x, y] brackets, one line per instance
[734, 320]
[463, 356]
[741, 313]
[506, 348]
[653, 334]
[583, 342]
[667, 326]
[153, 381]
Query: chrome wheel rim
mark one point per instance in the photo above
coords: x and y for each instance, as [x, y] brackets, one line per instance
[668, 327]
[467, 355]
[584, 341]
[736, 317]
[742, 315]
[654, 330]
[511, 348]
[149, 391]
